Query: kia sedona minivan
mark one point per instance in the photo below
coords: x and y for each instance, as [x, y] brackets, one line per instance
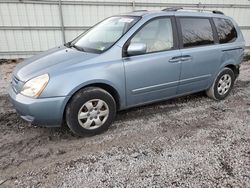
[125, 61]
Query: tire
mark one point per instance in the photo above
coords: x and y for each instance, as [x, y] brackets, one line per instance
[219, 93]
[90, 111]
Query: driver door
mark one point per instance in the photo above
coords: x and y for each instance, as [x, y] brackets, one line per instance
[155, 74]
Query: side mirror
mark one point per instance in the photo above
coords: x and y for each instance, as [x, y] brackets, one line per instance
[136, 49]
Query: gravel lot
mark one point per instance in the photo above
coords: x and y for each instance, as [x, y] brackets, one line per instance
[186, 142]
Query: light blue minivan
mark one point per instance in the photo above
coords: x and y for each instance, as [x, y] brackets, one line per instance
[125, 61]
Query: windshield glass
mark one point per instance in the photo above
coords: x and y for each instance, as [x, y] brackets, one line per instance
[102, 36]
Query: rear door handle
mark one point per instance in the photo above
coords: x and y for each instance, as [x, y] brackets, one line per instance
[175, 59]
[180, 58]
[186, 58]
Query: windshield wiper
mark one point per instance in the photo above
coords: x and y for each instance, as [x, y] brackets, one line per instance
[77, 47]
[67, 44]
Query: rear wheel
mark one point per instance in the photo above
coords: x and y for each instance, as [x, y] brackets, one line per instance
[90, 111]
[222, 85]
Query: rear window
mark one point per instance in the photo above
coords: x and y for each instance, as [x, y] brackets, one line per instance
[226, 30]
[196, 32]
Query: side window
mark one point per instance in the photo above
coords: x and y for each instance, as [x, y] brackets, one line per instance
[196, 32]
[226, 30]
[157, 35]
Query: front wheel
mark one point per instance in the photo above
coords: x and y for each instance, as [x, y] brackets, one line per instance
[90, 111]
[222, 85]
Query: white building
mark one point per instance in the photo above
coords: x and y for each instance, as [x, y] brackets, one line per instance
[30, 26]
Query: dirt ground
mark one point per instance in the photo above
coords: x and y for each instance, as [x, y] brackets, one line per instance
[186, 142]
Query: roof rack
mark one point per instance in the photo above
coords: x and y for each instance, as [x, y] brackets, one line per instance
[217, 12]
[192, 9]
[139, 10]
[172, 9]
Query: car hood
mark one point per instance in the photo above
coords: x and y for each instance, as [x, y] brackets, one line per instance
[48, 61]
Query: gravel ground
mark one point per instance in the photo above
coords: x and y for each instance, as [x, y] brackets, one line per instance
[186, 142]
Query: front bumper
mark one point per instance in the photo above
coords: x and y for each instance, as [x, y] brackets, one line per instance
[41, 111]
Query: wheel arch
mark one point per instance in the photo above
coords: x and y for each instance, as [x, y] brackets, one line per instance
[234, 68]
[228, 64]
[107, 87]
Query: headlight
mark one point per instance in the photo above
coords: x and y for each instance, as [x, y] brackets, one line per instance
[35, 86]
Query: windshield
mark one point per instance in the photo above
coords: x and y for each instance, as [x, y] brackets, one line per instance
[102, 36]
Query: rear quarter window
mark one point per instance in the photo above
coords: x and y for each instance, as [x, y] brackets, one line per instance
[226, 30]
[196, 32]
